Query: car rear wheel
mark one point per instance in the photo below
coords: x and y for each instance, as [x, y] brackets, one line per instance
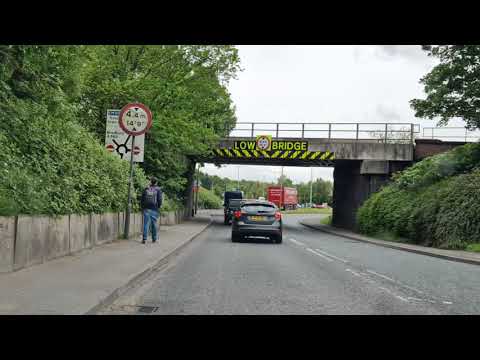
[278, 239]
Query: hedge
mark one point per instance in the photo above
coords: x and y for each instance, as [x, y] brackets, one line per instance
[434, 203]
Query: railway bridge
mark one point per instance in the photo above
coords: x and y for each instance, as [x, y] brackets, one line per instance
[363, 155]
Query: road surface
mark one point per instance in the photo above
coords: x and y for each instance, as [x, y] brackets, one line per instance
[310, 273]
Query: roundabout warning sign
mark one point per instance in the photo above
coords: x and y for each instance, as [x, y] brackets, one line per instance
[118, 142]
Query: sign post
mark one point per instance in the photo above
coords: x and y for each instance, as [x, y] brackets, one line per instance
[135, 119]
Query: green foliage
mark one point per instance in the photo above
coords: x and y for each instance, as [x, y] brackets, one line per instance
[50, 164]
[208, 200]
[184, 86]
[321, 189]
[432, 169]
[327, 220]
[53, 102]
[434, 203]
[452, 86]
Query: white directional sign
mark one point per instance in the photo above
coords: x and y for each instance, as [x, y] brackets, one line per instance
[135, 119]
[120, 143]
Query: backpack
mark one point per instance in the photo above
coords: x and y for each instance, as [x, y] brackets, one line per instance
[151, 197]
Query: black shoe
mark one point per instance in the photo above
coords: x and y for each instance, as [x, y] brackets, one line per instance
[143, 242]
[154, 241]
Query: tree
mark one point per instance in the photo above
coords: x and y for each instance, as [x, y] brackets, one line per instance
[184, 86]
[452, 87]
[285, 181]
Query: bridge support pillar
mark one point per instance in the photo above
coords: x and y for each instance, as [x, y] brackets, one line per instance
[354, 182]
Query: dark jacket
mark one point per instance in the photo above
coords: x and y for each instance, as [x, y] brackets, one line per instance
[159, 199]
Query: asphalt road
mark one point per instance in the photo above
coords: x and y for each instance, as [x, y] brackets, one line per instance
[310, 273]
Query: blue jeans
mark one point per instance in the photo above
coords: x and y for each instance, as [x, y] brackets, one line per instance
[150, 218]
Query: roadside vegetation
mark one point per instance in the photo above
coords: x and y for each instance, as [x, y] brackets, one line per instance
[208, 200]
[53, 103]
[435, 203]
[326, 220]
[321, 189]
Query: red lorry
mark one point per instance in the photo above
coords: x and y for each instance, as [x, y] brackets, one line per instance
[284, 197]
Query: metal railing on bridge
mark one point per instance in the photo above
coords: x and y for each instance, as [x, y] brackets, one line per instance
[451, 134]
[378, 132]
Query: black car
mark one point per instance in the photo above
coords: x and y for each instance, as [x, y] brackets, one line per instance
[257, 218]
[228, 208]
[233, 205]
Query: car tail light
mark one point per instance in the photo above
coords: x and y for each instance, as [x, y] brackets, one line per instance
[237, 214]
[278, 215]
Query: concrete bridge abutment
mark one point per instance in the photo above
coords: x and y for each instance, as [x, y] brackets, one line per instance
[354, 182]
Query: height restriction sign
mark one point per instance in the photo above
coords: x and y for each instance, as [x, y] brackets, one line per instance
[135, 119]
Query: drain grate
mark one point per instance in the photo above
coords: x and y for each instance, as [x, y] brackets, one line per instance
[147, 309]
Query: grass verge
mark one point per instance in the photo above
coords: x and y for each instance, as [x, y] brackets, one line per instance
[327, 211]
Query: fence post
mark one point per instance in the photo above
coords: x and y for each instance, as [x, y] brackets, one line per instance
[329, 130]
[386, 132]
[277, 130]
[303, 130]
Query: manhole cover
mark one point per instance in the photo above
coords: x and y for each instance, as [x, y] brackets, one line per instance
[147, 309]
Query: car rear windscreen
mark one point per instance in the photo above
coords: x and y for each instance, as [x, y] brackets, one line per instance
[258, 207]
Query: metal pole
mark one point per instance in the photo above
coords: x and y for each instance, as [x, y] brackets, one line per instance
[198, 189]
[357, 130]
[411, 133]
[311, 183]
[253, 125]
[281, 187]
[303, 131]
[386, 133]
[329, 130]
[465, 134]
[238, 178]
[277, 130]
[129, 203]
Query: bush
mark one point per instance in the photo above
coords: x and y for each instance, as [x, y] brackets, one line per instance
[208, 200]
[434, 203]
[52, 166]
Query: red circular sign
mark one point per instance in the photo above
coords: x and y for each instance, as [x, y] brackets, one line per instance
[135, 119]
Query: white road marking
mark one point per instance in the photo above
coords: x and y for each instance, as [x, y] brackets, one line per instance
[297, 242]
[395, 281]
[332, 256]
[353, 272]
[316, 253]
[447, 302]
[380, 275]
[393, 294]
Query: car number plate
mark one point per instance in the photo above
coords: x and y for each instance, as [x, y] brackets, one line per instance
[257, 218]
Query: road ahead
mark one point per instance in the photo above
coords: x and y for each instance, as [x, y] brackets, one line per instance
[310, 273]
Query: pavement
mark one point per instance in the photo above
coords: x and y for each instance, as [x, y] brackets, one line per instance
[453, 255]
[87, 281]
[311, 272]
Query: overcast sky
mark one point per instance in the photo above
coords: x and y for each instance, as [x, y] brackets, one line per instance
[324, 84]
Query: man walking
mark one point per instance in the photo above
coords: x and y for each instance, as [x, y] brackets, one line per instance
[151, 203]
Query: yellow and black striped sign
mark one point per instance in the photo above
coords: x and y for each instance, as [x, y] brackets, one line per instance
[303, 155]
